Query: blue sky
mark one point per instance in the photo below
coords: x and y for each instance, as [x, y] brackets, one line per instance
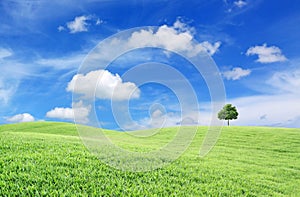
[44, 46]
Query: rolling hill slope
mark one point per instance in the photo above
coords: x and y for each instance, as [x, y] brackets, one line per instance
[48, 158]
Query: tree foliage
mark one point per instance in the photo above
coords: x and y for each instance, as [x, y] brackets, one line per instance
[229, 112]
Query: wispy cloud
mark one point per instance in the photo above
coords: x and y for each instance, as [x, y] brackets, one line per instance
[6, 89]
[6, 92]
[268, 110]
[14, 72]
[277, 107]
[236, 5]
[66, 62]
[5, 53]
[266, 54]
[99, 21]
[286, 81]
[240, 3]
[27, 16]
[11, 74]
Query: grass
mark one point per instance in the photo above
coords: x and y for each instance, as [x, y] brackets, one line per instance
[49, 159]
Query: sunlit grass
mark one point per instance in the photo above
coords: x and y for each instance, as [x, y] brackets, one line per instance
[46, 158]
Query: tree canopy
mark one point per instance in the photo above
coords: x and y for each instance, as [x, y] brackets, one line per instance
[229, 112]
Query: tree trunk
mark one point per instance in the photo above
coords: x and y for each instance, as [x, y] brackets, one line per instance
[227, 122]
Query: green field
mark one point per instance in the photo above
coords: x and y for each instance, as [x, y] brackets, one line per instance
[47, 158]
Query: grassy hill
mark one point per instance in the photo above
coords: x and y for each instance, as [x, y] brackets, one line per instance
[48, 158]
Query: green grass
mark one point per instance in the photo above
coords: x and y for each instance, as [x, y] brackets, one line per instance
[49, 159]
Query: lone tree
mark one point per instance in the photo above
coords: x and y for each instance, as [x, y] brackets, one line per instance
[228, 112]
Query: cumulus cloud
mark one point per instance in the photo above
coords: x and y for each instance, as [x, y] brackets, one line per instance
[236, 73]
[25, 117]
[78, 112]
[266, 54]
[160, 119]
[60, 28]
[189, 121]
[157, 119]
[175, 38]
[79, 24]
[240, 3]
[61, 113]
[208, 47]
[157, 113]
[183, 27]
[103, 85]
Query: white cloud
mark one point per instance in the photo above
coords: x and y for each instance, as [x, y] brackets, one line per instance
[5, 53]
[65, 62]
[99, 21]
[103, 85]
[6, 92]
[266, 54]
[175, 38]
[79, 109]
[268, 110]
[183, 27]
[281, 108]
[25, 117]
[166, 37]
[61, 113]
[157, 114]
[240, 3]
[60, 28]
[14, 73]
[211, 49]
[189, 121]
[11, 74]
[236, 73]
[235, 5]
[286, 81]
[8, 88]
[157, 119]
[79, 24]
[161, 119]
